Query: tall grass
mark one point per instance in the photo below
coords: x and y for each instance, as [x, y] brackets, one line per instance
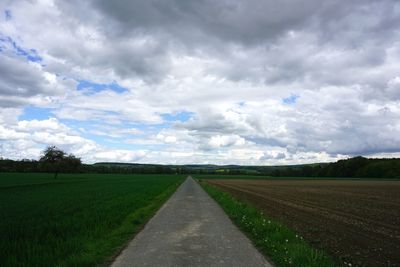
[76, 220]
[280, 244]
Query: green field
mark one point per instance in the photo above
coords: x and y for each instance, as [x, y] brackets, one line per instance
[76, 220]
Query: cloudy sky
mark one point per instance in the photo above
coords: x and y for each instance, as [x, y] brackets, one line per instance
[177, 81]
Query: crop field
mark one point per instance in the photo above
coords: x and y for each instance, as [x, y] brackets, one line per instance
[77, 219]
[356, 221]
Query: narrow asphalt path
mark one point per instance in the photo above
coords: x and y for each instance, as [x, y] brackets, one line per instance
[190, 230]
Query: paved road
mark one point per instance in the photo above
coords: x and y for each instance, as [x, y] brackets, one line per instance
[190, 230]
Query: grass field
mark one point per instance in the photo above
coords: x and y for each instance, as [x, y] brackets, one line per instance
[357, 221]
[76, 220]
[282, 245]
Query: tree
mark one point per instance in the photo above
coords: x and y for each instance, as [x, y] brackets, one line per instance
[55, 160]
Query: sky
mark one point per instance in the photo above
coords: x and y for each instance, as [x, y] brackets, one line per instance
[251, 82]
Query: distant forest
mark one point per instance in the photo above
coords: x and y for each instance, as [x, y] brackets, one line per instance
[357, 167]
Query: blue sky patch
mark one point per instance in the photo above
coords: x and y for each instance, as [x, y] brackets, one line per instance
[30, 54]
[98, 87]
[292, 99]
[34, 113]
[181, 116]
[7, 15]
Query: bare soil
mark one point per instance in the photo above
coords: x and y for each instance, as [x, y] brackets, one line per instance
[356, 221]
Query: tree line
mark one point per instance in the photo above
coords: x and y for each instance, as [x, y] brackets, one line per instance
[357, 167]
[57, 161]
[53, 160]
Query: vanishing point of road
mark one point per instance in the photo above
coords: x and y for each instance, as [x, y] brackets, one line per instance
[190, 230]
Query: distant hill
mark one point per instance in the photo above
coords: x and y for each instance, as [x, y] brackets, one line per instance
[353, 167]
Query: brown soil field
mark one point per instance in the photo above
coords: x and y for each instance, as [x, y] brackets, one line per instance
[356, 221]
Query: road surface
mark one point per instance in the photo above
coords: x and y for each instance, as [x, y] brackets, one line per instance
[190, 230]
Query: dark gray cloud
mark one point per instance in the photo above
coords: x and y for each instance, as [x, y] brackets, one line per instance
[24, 82]
[270, 41]
[18, 78]
[238, 21]
[250, 22]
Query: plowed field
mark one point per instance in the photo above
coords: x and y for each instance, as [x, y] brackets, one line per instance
[356, 221]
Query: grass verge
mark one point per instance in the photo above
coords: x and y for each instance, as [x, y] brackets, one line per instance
[280, 244]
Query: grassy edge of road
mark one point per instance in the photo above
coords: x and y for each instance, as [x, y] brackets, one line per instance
[104, 251]
[280, 244]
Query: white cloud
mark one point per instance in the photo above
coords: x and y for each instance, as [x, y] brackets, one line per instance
[119, 156]
[393, 88]
[10, 134]
[50, 125]
[217, 141]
